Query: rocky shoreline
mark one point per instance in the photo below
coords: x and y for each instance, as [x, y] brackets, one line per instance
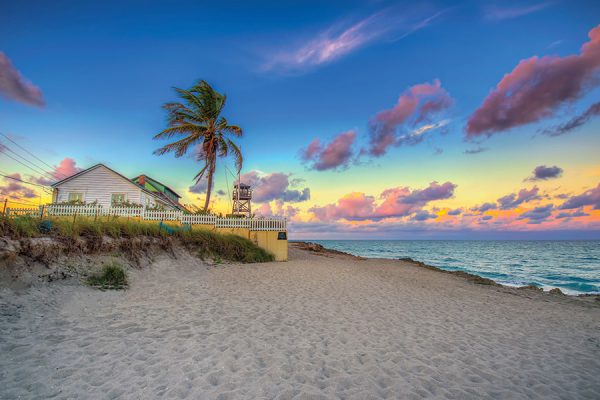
[324, 251]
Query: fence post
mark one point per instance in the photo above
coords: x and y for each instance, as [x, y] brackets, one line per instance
[6, 211]
[42, 212]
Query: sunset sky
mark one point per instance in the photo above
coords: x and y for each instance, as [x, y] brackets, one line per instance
[361, 119]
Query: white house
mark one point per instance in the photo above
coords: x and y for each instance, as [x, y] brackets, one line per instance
[109, 188]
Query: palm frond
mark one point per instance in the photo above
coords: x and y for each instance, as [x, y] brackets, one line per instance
[182, 129]
[237, 154]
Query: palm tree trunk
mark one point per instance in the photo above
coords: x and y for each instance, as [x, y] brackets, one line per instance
[211, 171]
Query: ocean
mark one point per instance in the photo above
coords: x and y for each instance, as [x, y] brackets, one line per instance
[572, 266]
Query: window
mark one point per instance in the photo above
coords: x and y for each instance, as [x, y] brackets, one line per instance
[75, 197]
[117, 198]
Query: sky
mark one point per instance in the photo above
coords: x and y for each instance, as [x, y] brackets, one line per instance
[361, 119]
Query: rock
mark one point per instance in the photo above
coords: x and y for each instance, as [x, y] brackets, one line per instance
[532, 287]
[556, 291]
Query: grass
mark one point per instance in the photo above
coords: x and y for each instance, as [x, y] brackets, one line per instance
[112, 276]
[207, 243]
[226, 246]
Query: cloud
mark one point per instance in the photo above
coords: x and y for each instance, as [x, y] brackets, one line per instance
[65, 168]
[342, 39]
[476, 150]
[423, 215]
[502, 13]
[352, 206]
[487, 217]
[336, 154]
[513, 200]
[578, 213]
[273, 186]
[538, 214]
[456, 211]
[416, 136]
[14, 189]
[416, 105]
[279, 209]
[542, 173]
[588, 198]
[395, 202]
[13, 86]
[221, 192]
[200, 187]
[484, 207]
[574, 122]
[536, 88]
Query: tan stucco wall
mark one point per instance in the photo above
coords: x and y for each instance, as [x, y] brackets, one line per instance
[268, 241]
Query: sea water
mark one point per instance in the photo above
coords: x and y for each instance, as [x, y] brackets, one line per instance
[572, 266]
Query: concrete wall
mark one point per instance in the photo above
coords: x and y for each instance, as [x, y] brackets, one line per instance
[267, 240]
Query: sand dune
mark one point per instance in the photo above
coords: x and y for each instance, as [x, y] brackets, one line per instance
[313, 328]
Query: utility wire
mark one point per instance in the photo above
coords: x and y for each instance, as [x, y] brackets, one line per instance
[40, 171]
[23, 203]
[22, 163]
[22, 181]
[33, 155]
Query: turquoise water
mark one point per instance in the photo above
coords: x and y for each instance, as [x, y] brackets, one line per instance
[572, 266]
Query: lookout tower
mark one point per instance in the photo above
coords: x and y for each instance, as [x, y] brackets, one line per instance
[242, 194]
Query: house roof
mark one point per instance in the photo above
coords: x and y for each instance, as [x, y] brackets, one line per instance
[159, 196]
[152, 180]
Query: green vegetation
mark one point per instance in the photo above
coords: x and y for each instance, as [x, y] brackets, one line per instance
[207, 243]
[114, 227]
[198, 121]
[113, 276]
[227, 246]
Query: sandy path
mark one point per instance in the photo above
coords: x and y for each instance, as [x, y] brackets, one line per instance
[312, 328]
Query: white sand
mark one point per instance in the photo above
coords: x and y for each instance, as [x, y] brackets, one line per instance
[312, 328]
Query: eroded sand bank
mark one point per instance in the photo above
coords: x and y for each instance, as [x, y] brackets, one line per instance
[314, 327]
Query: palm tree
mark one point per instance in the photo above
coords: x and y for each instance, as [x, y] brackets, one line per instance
[198, 120]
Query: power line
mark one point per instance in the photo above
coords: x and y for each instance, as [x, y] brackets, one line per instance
[40, 171]
[22, 163]
[22, 181]
[22, 203]
[33, 155]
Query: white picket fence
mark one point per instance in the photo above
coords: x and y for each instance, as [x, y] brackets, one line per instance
[92, 210]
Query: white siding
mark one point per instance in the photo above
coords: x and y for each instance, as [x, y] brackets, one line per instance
[98, 185]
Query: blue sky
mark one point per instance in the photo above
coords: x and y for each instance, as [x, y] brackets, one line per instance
[106, 68]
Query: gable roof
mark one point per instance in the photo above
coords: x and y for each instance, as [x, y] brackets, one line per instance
[158, 196]
[156, 183]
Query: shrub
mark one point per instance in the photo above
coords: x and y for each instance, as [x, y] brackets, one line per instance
[112, 276]
[227, 246]
[208, 244]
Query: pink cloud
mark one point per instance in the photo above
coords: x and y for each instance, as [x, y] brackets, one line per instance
[273, 186]
[13, 86]
[279, 209]
[536, 88]
[352, 206]
[336, 154]
[418, 104]
[14, 189]
[65, 168]
[395, 202]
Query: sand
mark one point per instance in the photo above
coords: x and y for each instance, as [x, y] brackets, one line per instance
[316, 327]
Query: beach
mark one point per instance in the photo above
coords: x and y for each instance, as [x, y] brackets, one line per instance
[320, 326]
